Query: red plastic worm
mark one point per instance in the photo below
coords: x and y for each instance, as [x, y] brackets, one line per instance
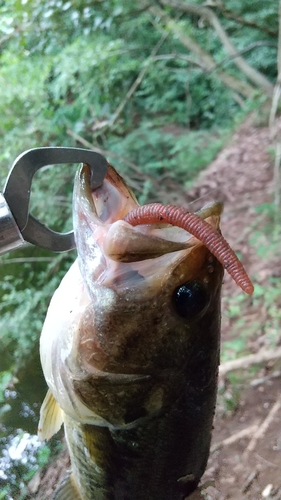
[170, 214]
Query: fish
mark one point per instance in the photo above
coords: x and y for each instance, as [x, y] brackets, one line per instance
[130, 345]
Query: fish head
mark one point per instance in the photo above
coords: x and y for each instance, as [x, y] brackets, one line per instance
[141, 313]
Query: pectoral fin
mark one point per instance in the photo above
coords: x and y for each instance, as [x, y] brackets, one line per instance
[67, 490]
[51, 417]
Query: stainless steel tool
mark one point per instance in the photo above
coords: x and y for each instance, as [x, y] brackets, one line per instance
[17, 225]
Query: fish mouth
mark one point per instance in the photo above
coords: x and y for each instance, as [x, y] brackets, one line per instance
[103, 210]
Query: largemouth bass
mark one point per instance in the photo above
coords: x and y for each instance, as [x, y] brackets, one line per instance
[130, 350]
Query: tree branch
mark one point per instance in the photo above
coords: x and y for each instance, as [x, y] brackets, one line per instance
[159, 186]
[105, 152]
[272, 124]
[238, 19]
[252, 74]
[173, 56]
[245, 50]
[277, 88]
[251, 359]
[204, 58]
[132, 89]
[186, 58]
[137, 82]
[244, 433]
[262, 428]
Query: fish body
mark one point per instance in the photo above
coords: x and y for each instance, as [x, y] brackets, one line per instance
[130, 352]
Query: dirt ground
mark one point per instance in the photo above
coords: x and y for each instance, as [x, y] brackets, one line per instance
[250, 467]
[245, 460]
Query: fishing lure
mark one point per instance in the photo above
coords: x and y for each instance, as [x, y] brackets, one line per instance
[204, 232]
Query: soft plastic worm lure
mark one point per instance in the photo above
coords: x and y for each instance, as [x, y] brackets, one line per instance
[155, 213]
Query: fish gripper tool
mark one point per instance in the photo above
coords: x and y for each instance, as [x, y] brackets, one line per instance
[17, 225]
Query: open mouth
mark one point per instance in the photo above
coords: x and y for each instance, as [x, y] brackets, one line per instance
[134, 232]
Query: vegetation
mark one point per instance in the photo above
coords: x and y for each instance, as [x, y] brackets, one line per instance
[262, 325]
[155, 86]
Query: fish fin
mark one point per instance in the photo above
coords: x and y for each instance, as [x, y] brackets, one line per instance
[67, 490]
[51, 417]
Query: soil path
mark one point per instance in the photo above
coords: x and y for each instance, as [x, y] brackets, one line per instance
[241, 177]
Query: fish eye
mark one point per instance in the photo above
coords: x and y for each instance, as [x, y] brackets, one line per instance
[190, 299]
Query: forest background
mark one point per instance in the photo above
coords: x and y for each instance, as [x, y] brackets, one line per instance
[158, 87]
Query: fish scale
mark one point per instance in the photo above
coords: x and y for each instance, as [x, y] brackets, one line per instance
[91, 453]
[145, 461]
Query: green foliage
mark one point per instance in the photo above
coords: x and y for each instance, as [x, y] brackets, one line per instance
[250, 330]
[159, 153]
[229, 395]
[4, 493]
[76, 62]
[24, 302]
[266, 298]
[5, 380]
[43, 457]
